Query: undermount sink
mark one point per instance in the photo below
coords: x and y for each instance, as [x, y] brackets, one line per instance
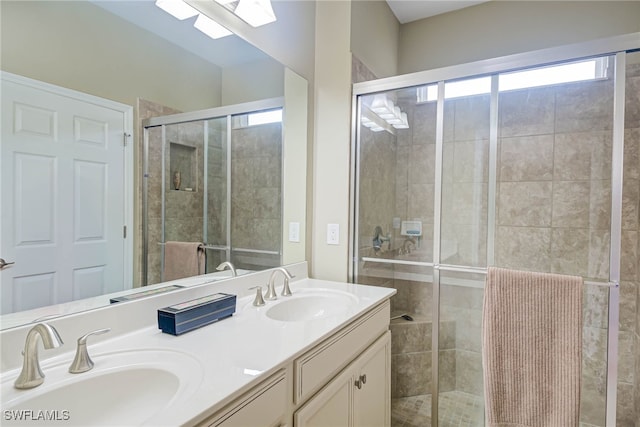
[306, 305]
[124, 388]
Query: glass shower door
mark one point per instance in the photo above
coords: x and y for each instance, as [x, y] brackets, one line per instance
[394, 235]
[464, 228]
[216, 235]
[256, 190]
[553, 199]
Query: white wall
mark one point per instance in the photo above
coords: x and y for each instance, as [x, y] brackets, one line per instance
[295, 172]
[375, 32]
[499, 28]
[289, 40]
[252, 81]
[332, 93]
[82, 47]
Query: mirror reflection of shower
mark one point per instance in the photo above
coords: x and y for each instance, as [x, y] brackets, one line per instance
[214, 177]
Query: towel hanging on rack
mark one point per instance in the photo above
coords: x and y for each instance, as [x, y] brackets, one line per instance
[183, 259]
[532, 348]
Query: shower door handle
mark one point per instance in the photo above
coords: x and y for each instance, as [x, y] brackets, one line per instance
[3, 263]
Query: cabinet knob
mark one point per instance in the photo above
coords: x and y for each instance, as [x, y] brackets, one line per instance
[363, 378]
[358, 383]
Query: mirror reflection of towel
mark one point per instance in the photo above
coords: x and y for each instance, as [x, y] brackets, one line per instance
[183, 259]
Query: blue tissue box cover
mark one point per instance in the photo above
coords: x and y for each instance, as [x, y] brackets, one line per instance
[189, 315]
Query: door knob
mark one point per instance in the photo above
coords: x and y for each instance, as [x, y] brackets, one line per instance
[3, 263]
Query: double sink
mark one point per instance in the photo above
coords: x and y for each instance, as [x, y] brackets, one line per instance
[134, 387]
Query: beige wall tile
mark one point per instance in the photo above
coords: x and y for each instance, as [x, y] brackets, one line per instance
[599, 248]
[422, 164]
[630, 204]
[584, 106]
[471, 117]
[570, 251]
[526, 158]
[571, 204]
[600, 204]
[447, 370]
[471, 161]
[629, 256]
[525, 248]
[469, 377]
[632, 153]
[525, 204]
[582, 156]
[632, 101]
[527, 112]
[595, 307]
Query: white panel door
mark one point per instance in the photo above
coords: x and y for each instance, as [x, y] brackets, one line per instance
[63, 197]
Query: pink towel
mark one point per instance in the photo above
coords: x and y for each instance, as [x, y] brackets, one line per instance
[183, 259]
[532, 348]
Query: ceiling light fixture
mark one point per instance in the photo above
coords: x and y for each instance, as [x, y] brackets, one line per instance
[211, 27]
[177, 8]
[255, 12]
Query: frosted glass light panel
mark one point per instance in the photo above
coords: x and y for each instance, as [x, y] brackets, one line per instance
[465, 170]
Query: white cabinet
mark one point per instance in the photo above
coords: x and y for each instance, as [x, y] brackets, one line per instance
[318, 366]
[263, 406]
[359, 396]
[342, 381]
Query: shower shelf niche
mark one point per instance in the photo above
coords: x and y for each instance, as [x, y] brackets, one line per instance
[182, 167]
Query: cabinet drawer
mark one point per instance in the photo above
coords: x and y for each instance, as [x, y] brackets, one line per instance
[264, 406]
[314, 369]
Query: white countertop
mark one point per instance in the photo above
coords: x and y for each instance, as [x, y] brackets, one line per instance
[230, 355]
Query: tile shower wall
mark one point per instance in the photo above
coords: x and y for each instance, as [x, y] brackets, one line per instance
[216, 190]
[552, 214]
[183, 209]
[256, 199]
[147, 109]
[629, 369]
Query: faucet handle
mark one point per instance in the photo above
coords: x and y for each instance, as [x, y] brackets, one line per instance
[82, 362]
[286, 290]
[258, 301]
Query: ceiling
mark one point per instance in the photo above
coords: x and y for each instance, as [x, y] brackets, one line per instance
[413, 10]
[224, 52]
[232, 50]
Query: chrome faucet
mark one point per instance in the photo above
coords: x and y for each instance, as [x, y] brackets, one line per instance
[271, 291]
[227, 264]
[31, 375]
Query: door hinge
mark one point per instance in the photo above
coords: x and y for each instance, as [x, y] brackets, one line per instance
[125, 138]
[124, 232]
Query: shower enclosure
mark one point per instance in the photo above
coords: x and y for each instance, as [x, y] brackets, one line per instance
[517, 163]
[214, 176]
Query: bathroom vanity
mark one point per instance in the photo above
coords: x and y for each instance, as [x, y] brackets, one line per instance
[318, 357]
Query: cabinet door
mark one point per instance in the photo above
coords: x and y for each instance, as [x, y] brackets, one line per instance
[372, 394]
[263, 407]
[330, 407]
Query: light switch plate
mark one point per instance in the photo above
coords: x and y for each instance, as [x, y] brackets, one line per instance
[333, 234]
[294, 232]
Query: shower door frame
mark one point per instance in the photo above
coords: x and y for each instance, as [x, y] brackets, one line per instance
[616, 47]
[227, 111]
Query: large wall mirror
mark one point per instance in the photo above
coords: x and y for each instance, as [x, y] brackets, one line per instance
[135, 59]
